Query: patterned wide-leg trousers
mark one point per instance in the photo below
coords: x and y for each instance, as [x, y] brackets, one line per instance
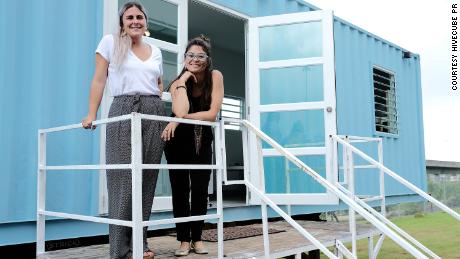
[118, 151]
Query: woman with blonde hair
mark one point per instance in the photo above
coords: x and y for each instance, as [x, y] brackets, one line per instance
[132, 69]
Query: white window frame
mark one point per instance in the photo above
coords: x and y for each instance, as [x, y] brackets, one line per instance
[328, 105]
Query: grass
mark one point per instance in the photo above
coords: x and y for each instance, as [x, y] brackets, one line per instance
[438, 231]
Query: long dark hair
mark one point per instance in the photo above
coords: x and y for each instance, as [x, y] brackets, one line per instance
[205, 43]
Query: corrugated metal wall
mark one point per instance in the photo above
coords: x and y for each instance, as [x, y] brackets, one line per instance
[356, 52]
[47, 51]
[48, 60]
[256, 8]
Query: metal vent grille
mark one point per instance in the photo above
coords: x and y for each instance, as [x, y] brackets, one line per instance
[232, 107]
[386, 116]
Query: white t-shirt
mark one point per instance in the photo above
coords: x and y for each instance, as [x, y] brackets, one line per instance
[134, 76]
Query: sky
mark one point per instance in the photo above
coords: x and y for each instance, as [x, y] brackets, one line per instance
[422, 27]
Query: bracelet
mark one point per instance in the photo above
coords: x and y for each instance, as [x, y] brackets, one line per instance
[181, 86]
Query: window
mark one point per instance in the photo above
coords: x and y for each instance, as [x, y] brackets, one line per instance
[232, 107]
[386, 116]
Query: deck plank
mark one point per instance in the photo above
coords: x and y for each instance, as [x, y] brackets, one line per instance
[281, 244]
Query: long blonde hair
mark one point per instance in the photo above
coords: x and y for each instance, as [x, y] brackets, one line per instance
[121, 39]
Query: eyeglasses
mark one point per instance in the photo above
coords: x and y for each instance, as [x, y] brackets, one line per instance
[199, 57]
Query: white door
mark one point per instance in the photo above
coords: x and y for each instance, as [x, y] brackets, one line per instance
[167, 24]
[291, 90]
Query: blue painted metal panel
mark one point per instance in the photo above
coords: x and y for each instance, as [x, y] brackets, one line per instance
[48, 59]
[18, 233]
[44, 82]
[256, 8]
[356, 52]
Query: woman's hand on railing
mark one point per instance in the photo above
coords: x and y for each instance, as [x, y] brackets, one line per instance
[87, 122]
[168, 132]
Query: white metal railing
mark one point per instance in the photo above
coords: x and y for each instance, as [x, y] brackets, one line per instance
[342, 250]
[348, 151]
[349, 180]
[336, 191]
[266, 201]
[346, 195]
[398, 178]
[349, 167]
[136, 168]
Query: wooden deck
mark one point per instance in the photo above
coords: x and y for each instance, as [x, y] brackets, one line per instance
[282, 244]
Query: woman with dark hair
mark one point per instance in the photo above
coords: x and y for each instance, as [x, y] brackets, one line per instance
[132, 70]
[197, 94]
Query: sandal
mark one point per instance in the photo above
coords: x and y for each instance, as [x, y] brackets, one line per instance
[147, 256]
[150, 254]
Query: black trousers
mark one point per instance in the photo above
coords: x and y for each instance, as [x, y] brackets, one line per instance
[189, 187]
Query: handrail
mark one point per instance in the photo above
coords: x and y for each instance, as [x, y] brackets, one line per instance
[330, 187]
[343, 249]
[398, 178]
[266, 201]
[136, 166]
[79, 125]
[391, 224]
[289, 219]
[180, 120]
[349, 179]
[128, 117]
[127, 166]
